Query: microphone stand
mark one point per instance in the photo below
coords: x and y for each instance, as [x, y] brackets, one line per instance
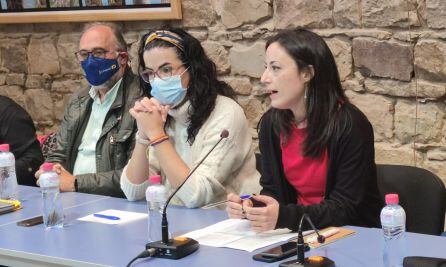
[301, 261]
[178, 247]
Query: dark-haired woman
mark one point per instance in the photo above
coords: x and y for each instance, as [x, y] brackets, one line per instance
[184, 118]
[317, 148]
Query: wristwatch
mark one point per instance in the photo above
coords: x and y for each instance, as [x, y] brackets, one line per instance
[75, 185]
[140, 140]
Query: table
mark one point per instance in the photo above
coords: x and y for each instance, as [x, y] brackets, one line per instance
[92, 244]
[30, 197]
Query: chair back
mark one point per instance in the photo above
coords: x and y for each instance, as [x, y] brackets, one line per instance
[422, 195]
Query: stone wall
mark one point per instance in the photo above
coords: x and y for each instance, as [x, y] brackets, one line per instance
[391, 56]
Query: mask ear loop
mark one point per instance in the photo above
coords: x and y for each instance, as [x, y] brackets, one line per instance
[182, 75]
[184, 71]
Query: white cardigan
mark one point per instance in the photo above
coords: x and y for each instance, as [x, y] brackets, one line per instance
[229, 168]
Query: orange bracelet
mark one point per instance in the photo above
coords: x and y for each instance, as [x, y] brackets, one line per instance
[158, 138]
[159, 141]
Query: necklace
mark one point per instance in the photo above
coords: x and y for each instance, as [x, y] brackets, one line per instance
[300, 121]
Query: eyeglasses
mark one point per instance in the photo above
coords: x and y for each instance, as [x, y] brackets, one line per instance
[83, 55]
[164, 73]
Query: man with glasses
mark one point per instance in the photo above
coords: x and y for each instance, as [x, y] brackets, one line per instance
[97, 133]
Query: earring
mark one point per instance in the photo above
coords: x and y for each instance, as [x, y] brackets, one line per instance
[305, 92]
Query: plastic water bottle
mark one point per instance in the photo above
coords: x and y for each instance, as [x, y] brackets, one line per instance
[52, 206]
[156, 199]
[393, 221]
[8, 179]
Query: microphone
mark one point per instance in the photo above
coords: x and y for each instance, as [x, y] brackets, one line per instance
[178, 247]
[301, 261]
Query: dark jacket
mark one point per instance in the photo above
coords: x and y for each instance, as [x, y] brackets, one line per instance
[17, 129]
[114, 146]
[351, 193]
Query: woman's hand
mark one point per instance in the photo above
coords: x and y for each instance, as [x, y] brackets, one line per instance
[163, 109]
[234, 207]
[264, 218]
[136, 113]
[150, 117]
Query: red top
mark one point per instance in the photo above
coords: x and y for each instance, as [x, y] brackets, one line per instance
[307, 175]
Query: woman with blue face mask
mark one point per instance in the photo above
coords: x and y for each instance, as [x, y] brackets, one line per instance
[182, 121]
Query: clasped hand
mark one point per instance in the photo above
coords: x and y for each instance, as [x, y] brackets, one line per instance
[150, 117]
[261, 218]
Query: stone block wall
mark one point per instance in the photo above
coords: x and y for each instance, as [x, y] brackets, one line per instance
[391, 56]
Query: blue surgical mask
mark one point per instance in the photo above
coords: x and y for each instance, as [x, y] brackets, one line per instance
[99, 70]
[168, 91]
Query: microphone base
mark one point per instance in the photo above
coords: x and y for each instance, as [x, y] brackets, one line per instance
[175, 249]
[314, 261]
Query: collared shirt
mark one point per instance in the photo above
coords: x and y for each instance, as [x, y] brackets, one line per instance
[86, 156]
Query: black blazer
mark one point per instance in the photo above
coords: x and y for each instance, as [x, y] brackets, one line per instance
[17, 129]
[351, 193]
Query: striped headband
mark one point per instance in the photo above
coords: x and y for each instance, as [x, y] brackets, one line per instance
[167, 36]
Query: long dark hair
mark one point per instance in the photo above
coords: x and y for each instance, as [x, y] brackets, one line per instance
[326, 116]
[203, 85]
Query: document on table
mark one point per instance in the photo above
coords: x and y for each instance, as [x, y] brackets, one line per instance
[114, 217]
[237, 234]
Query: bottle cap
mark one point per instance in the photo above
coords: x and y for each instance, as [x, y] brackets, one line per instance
[4, 147]
[155, 179]
[392, 199]
[47, 166]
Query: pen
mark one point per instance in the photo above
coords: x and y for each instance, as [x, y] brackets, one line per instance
[108, 217]
[242, 197]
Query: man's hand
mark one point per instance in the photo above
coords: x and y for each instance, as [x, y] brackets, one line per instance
[66, 178]
[37, 175]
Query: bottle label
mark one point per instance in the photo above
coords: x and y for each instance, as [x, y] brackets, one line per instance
[393, 217]
[156, 194]
[49, 180]
[8, 183]
[7, 159]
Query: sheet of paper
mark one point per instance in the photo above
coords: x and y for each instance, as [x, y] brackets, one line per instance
[221, 233]
[237, 234]
[124, 217]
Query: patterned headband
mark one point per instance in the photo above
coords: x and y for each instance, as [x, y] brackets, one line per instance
[167, 36]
